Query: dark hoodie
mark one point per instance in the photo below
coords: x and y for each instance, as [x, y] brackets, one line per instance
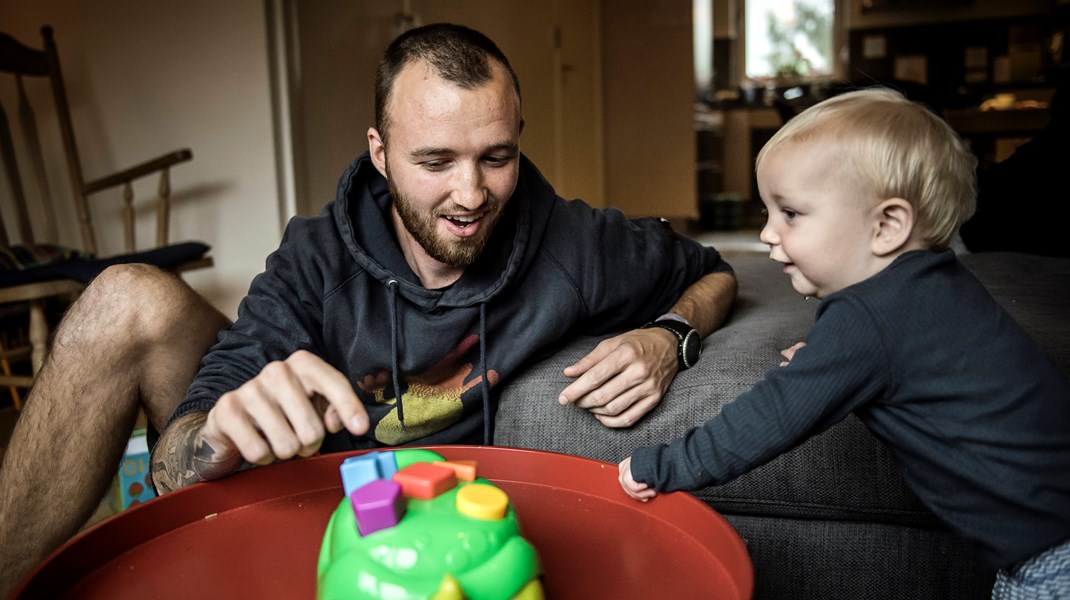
[339, 287]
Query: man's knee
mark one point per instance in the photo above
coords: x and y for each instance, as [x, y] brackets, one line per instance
[134, 299]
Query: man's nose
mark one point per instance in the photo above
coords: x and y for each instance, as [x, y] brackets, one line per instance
[469, 190]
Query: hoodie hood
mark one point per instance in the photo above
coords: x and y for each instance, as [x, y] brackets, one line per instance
[362, 213]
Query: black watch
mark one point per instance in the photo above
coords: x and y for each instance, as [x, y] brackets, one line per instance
[689, 346]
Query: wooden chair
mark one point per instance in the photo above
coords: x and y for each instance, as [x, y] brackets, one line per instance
[39, 272]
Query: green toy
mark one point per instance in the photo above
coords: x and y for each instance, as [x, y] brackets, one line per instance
[434, 551]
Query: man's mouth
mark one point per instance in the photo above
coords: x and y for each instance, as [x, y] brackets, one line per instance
[463, 226]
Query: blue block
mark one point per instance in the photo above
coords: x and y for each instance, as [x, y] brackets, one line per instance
[388, 464]
[359, 470]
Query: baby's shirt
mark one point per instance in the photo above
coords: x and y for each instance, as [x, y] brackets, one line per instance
[972, 409]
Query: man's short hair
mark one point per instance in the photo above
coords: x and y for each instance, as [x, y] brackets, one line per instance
[901, 149]
[456, 53]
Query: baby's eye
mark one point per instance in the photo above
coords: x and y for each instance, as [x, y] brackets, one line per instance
[765, 212]
[789, 214]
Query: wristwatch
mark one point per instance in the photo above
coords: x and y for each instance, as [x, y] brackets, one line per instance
[689, 345]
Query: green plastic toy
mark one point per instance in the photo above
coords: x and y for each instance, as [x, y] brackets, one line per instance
[433, 552]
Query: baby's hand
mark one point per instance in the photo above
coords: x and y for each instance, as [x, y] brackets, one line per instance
[639, 491]
[789, 353]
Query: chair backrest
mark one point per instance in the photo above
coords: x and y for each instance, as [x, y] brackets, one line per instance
[24, 62]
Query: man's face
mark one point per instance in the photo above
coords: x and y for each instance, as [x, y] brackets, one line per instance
[451, 162]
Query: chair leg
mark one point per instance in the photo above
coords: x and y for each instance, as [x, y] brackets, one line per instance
[5, 367]
[38, 335]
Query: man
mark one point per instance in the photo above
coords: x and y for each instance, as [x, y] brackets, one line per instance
[444, 265]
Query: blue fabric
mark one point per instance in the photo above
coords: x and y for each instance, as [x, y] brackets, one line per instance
[1046, 576]
[85, 269]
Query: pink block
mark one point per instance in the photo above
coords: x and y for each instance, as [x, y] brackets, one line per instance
[377, 505]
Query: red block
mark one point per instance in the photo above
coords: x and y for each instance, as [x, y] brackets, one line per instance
[425, 480]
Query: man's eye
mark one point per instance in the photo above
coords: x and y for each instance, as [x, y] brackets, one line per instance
[434, 165]
[497, 161]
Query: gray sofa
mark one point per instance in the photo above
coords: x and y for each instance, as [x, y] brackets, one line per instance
[833, 518]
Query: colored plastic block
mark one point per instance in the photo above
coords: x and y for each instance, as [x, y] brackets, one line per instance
[482, 501]
[359, 470]
[377, 505]
[425, 480]
[464, 469]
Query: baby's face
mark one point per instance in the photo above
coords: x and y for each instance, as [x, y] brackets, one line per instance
[821, 223]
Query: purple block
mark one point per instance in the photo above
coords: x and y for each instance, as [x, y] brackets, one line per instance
[377, 505]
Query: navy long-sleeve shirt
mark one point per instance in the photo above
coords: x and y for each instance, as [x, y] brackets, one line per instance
[972, 409]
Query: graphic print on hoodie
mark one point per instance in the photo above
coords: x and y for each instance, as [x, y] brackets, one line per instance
[431, 401]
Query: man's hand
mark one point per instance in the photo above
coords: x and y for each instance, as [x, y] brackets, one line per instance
[635, 489]
[624, 377]
[284, 411]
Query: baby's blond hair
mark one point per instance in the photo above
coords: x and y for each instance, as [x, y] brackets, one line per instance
[899, 148]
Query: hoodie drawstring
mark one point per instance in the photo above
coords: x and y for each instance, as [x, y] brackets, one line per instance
[483, 370]
[393, 303]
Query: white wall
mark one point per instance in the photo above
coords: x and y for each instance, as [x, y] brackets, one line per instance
[145, 77]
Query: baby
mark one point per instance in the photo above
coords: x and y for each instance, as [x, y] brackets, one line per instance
[864, 194]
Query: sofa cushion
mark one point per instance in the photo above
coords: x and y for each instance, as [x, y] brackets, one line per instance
[843, 473]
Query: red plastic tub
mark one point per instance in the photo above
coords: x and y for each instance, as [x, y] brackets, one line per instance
[257, 534]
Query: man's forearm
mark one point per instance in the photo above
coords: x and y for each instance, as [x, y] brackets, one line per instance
[183, 456]
[172, 458]
[706, 303]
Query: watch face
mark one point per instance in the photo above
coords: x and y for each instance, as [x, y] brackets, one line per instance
[692, 348]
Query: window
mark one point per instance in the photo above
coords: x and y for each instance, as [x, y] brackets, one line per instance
[789, 39]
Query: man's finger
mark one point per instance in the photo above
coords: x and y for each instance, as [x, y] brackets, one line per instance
[282, 409]
[318, 377]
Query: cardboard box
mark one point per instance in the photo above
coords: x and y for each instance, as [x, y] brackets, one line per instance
[133, 483]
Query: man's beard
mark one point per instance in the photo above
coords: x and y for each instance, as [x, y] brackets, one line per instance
[422, 226]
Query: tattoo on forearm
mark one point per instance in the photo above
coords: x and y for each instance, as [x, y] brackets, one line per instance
[172, 458]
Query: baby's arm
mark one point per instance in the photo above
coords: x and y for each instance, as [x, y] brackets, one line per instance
[635, 489]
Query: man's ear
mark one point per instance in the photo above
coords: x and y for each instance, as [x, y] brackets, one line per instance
[895, 224]
[377, 150]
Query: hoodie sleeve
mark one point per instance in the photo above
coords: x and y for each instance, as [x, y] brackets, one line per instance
[628, 271]
[282, 313]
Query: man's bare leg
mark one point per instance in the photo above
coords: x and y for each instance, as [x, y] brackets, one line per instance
[134, 338]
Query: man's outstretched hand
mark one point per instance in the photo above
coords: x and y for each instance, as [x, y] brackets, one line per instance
[283, 412]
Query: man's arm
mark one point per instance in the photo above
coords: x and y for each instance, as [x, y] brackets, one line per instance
[283, 412]
[626, 376]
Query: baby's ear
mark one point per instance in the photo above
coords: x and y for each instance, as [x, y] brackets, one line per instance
[895, 224]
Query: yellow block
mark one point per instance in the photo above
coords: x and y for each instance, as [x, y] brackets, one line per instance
[482, 501]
